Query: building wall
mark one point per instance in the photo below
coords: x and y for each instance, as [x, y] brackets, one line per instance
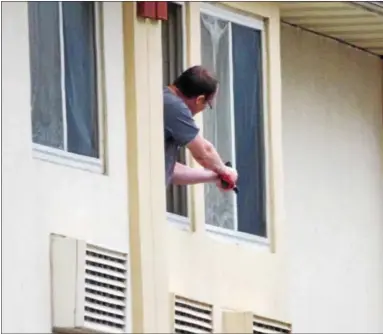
[42, 197]
[333, 147]
[334, 211]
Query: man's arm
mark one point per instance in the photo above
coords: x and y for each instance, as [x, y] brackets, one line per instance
[184, 175]
[180, 124]
[206, 155]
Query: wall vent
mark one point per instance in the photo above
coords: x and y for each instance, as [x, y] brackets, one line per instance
[192, 316]
[89, 287]
[105, 288]
[266, 326]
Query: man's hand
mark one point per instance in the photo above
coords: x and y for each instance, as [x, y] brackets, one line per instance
[230, 176]
[228, 186]
[221, 187]
[207, 156]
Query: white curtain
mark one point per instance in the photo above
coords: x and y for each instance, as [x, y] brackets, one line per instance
[45, 63]
[79, 73]
[219, 207]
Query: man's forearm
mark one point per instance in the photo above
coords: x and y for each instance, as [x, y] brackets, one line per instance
[212, 160]
[184, 175]
[206, 155]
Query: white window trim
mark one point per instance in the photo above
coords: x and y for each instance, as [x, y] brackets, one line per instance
[251, 22]
[237, 237]
[232, 125]
[183, 14]
[178, 221]
[62, 156]
[230, 15]
[221, 234]
[68, 159]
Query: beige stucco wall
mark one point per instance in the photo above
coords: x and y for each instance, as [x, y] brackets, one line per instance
[332, 142]
[332, 147]
[40, 197]
[146, 172]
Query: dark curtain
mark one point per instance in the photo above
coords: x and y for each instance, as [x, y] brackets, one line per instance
[247, 68]
[80, 78]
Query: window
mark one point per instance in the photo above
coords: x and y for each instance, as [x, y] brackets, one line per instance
[173, 65]
[64, 83]
[232, 48]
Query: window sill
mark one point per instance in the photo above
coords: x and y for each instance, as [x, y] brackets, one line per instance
[63, 158]
[221, 234]
[238, 238]
[178, 221]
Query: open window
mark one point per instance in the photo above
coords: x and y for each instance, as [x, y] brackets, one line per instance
[232, 47]
[173, 65]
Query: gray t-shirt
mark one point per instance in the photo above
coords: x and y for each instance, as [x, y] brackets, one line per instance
[179, 129]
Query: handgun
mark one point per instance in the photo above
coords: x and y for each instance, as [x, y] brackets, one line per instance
[226, 184]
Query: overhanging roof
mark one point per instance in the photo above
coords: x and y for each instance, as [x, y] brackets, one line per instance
[356, 23]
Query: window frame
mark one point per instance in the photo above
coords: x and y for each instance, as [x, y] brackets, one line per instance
[183, 15]
[230, 15]
[183, 222]
[63, 156]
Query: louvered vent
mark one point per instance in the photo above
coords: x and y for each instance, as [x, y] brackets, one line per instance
[105, 288]
[264, 326]
[89, 287]
[192, 316]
